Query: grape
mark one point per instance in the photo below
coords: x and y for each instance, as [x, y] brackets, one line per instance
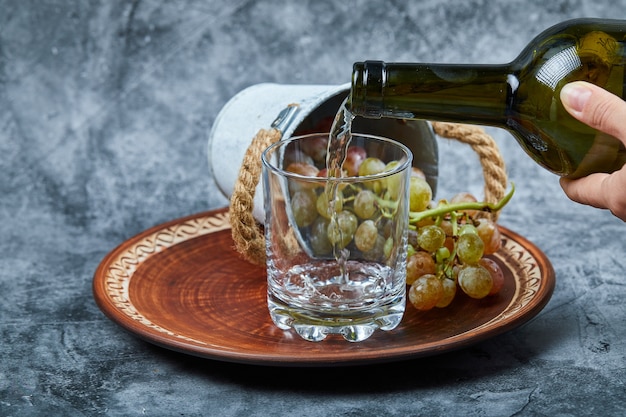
[304, 169]
[469, 248]
[416, 172]
[316, 147]
[371, 166]
[412, 238]
[465, 197]
[442, 254]
[475, 281]
[319, 237]
[293, 155]
[388, 247]
[341, 228]
[303, 207]
[430, 238]
[355, 155]
[449, 243]
[386, 226]
[446, 225]
[365, 235]
[449, 291]
[377, 253]
[420, 194]
[419, 264]
[490, 235]
[322, 173]
[467, 228]
[393, 183]
[497, 275]
[323, 207]
[425, 292]
[365, 204]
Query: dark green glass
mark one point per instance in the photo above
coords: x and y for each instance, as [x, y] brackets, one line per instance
[522, 96]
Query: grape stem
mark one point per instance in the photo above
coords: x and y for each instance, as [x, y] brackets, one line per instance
[441, 209]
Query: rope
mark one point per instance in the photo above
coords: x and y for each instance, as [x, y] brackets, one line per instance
[494, 171]
[248, 237]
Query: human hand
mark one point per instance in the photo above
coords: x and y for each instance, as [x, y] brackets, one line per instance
[606, 112]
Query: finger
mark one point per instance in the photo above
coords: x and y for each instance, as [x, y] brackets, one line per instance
[596, 107]
[599, 190]
[586, 190]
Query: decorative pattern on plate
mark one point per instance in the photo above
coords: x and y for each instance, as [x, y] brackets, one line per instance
[121, 269]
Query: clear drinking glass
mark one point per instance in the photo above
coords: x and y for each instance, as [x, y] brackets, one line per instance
[336, 247]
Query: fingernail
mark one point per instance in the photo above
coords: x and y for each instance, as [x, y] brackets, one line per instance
[575, 96]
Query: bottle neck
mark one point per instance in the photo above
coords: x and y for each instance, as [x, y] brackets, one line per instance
[477, 94]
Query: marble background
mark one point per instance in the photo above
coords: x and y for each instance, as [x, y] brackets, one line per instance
[105, 108]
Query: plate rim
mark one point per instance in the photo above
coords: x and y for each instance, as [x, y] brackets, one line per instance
[189, 227]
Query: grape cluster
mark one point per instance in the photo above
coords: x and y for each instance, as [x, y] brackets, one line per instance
[448, 243]
[449, 246]
[355, 215]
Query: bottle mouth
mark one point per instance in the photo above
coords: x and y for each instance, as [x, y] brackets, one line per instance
[366, 93]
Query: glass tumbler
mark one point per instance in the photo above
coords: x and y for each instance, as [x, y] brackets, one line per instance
[336, 247]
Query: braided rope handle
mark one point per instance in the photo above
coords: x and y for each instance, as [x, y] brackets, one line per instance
[248, 238]
[494, 170]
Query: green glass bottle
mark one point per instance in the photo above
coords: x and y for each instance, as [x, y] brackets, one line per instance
[522, 96]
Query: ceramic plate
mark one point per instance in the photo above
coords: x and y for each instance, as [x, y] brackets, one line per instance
[182, 286]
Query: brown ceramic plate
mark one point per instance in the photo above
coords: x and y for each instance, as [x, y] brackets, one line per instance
[182, 286]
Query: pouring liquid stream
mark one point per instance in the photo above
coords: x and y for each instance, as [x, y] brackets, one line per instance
[338, 142]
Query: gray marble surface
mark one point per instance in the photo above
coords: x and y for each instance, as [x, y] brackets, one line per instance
[105, 107]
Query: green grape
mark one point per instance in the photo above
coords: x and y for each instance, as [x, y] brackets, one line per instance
[377, 253]
[475, 281]
[442, 254]
[371, 166]
[430, 238]
[425, 292]
[388, 248]
[303, 207]
[319, 238]
[467, 228]
[365, 235]
[393, 183]
[410, 250]
[365, 204]
[469, 248]
[420, 194]
[323, 207]
[449, 292]
[419, 264]
[341, 228]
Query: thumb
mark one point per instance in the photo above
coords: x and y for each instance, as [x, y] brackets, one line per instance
[595, 107]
